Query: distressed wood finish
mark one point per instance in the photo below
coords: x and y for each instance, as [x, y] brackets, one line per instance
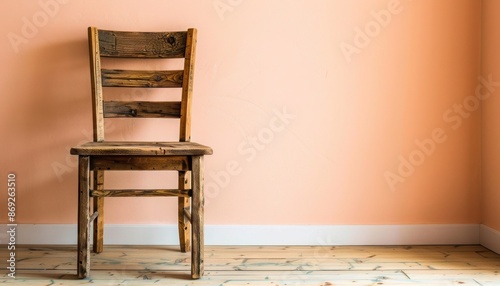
[142, 109]
[83, 254]
[264, 265]
[182, 156]
[96, 85]
[98, 236]
[133, 78]
[141, 193]
[142, 44]
[197, 217]
[184, 216]
[141, 149]
[128, 163]
[187, 86]
[184, 212]
[187, 215]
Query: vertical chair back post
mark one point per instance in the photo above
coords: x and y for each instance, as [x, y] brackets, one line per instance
[96, 85]
[187, 87]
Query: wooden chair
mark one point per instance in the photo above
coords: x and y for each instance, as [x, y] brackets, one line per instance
[98, 156]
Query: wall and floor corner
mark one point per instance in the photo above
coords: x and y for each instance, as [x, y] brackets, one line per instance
[490, 191]
[332, 122]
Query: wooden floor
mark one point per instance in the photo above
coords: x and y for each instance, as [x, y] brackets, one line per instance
[261, 265]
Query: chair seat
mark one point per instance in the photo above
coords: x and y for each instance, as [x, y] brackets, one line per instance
[141, 149]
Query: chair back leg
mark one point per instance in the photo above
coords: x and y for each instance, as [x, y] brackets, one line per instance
[184, 224]
[98, 237]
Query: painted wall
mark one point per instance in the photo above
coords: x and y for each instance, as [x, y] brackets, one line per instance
[319, 112]
[491, 119]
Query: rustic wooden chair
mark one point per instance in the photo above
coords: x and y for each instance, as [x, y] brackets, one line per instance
[98, 156]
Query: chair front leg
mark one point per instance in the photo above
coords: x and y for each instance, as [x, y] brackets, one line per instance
[197, 252]
[83, 256]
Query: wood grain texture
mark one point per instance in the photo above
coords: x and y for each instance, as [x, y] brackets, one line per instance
[83, 256]
[98, 231]
[140, 193]
[142, 45]
[197, 219]
[141, 148]
[187, 86]
[134, 78]
[127, 163]
[96, 84]
[263, 265]
[184, 212]
[142, 109]
[187, 214]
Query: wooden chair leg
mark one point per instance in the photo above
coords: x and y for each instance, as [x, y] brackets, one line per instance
[184, 205]
[197, 252]
[98, 236]
[83, 259]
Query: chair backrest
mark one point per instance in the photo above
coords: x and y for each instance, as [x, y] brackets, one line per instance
[145, 45]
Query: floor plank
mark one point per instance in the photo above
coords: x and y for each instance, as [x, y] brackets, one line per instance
[261, 265]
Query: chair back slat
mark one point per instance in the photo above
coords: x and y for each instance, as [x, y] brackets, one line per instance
[142, 44]
[142, 109]
[132, 78]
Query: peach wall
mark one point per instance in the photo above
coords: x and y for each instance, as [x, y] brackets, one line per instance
[491, 118]
[319, 112]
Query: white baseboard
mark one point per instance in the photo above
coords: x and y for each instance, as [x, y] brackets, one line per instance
[490, 238]
[266, 234]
